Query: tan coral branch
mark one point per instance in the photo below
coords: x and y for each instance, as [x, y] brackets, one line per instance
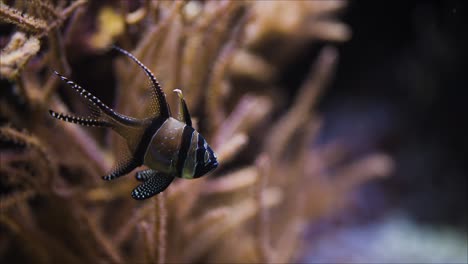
[25, 22]
[307, 96]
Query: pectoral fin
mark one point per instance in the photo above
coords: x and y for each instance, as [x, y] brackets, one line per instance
[154, 184]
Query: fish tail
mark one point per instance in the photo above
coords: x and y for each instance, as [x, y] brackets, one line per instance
[98, 107]
[79, 120]
[102, 114]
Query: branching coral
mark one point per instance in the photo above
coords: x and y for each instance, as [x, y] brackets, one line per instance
[39, 21]
[17, 53]
[271, 182]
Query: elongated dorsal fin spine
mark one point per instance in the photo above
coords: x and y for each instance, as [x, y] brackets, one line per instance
[162, 103]
[79, 120]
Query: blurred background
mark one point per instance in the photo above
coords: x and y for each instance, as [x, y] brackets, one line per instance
[340, 126]
[400, 88]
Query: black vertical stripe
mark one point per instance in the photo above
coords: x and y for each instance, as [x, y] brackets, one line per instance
[187, 118]
[139, 155]
[184, 148]
[146, 138]
[200, 155]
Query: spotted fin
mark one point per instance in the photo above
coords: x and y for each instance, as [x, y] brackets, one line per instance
[184, 115]
[144, 175]
[159, 104]
[79, 120]
[124, 167]
[155, 184]
[131, 129]
[99, 109]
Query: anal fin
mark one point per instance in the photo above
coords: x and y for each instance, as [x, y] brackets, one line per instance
[123, 169]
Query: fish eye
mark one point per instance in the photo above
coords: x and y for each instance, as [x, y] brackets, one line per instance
[207, 156]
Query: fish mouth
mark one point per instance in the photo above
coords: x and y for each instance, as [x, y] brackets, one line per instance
[208, 168]
[214, 166]
[211, 167]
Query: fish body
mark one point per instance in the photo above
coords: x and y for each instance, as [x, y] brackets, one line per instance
[170, 147]
[177, 149]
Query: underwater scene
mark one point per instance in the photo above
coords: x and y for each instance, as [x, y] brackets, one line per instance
[233, 131]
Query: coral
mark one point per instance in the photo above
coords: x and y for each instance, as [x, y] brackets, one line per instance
[271, 182]
[17, 53]
[39, 22]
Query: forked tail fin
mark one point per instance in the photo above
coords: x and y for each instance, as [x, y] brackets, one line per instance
[79, 120]
[101, 114]
[98, 107]
[131, 129]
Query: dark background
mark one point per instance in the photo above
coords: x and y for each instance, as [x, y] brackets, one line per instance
[401, 87]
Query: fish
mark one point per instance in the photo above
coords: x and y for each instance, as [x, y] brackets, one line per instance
[170, 147]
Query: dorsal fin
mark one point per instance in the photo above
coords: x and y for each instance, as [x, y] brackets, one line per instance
[162, 108]
[184, 114]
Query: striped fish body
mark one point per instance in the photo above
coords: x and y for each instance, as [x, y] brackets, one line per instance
[178, 150]
[162, 152]
[169, 147]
